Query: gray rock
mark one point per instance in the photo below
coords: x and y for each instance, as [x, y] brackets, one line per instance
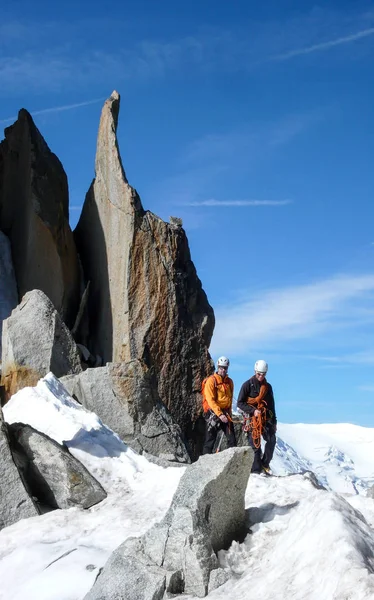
[124, 396]
[34, 214]
[146, 301]
[8, 286]
[55, 477]
[131, 577]
[370, 492]
[176, 221]
[36, 341]
[15, 502]
[217, 578]
[206, 514]
[312, 477]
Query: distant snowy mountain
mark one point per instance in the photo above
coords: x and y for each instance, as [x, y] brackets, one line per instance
[341, 455]
[305, 543]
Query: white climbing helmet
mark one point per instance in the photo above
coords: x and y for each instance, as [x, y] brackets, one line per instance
[261, 366]
[223, 361]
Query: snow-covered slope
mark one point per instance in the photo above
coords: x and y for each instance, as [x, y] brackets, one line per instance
[57, 556]
[340, 454]
[305, 543]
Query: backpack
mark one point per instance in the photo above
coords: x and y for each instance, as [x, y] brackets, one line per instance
[205, 403]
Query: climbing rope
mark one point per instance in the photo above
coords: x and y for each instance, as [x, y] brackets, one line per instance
[255, 424]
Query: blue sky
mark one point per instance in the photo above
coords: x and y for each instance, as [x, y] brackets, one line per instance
[253, 121]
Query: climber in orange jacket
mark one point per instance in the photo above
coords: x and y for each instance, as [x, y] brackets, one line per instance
[217, 405]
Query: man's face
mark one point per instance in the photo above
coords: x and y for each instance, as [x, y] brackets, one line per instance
[222, 371]
[260, 376]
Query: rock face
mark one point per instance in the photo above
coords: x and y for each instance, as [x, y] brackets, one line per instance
[15, 502]
[34, 214]
[124, 396]
[111, 213]
[178, 555]
[146, 300]
[52, 474]
[36, 341]
[8, 286]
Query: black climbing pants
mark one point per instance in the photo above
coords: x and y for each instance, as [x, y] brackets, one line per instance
[264, 459]
[211, 436]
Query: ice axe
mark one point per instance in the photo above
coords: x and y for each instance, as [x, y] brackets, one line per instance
[220, 442]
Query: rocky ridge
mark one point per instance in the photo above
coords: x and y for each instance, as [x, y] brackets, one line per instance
[121, 290]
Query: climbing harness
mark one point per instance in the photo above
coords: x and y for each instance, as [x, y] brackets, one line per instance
[212, 421]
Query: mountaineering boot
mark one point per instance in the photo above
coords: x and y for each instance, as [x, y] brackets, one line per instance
[266, 471]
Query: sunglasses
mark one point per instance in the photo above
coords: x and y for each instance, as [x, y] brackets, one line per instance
[259, 373]
[224, 368]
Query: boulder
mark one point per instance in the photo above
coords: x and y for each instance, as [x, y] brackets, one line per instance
[36, 341]
[179, 554]
[55, 477]
[146, 301]
[124, 396]
[8, 286]
[129, 575]
[15, 502]
[34, 214]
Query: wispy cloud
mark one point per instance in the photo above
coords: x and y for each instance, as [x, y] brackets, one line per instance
[356, 358]
[211, 162]
[56, 109]
[36, 71]
[249, 140]
[366, 388]
[324, 45]
[233, 203]
[299, 312]
[53, 55]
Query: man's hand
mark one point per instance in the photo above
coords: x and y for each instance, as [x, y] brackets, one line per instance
[224, 419]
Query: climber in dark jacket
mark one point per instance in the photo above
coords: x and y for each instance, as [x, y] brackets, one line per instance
[256, 401]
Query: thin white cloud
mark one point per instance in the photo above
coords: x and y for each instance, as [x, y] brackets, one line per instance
[55, 55]
[249, 140]
[324, 45]
[357, 358]
[56, 109]
[213, 202]
[300, 312]
[207, 163]
[366, 388]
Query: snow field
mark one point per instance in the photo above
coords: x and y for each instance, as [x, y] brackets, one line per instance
[305, 543]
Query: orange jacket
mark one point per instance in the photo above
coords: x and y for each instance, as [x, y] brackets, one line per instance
[218, 394]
